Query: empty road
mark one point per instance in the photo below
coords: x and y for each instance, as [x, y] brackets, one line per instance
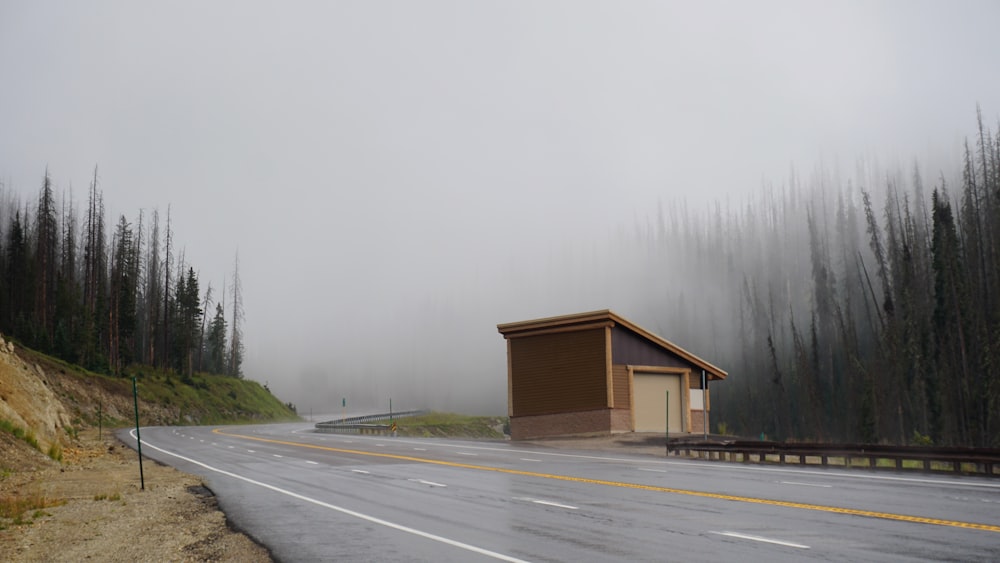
[325, 497]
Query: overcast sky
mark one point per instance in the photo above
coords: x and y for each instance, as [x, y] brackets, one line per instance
[393, 173]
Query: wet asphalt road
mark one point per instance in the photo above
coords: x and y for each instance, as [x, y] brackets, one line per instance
[326, 497]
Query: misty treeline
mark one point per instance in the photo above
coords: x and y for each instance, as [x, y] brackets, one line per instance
[106, 297]
[862, 309]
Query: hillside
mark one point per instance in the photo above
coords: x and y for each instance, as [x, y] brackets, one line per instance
[52, 402]
[68, 488]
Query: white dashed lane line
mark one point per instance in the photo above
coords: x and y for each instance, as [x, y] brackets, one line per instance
[761, 539]
[547, 503]
[430, 483]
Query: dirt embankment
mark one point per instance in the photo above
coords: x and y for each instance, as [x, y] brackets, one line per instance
[89, 505]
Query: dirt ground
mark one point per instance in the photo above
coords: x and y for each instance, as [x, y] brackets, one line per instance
[90, 508]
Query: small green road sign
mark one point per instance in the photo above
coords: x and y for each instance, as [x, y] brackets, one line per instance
[343, 402]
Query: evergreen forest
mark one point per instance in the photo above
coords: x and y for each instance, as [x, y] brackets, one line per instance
[861, 308]
[106, 297]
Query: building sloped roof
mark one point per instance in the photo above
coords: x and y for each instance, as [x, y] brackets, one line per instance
[596, 319]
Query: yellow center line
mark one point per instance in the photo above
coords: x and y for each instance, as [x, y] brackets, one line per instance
[701, 494]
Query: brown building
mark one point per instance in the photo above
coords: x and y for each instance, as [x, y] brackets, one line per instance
[597, 373]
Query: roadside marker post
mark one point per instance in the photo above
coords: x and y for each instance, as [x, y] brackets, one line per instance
[138, 440]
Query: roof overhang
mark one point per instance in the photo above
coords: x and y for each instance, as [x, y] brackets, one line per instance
[601, 319]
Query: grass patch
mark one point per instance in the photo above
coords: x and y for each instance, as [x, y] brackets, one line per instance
[112, 497]
[26, 436]
[210, 399]
[15, 508]
[451, 425]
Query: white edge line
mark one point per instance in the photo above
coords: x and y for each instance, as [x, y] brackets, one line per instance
[529, 459]
[309, 461]
[762, 539]
[342, 510]
[362, 471]
[805, 484]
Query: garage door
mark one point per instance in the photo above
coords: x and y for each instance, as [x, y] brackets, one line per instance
[651, 402]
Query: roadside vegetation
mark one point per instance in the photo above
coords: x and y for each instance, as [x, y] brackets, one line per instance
[451, 425]
[18, 510]
[164, 397]
[26, 436]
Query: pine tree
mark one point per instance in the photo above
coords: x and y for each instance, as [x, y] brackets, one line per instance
[215, 342]
[235, 365]
[46, 251]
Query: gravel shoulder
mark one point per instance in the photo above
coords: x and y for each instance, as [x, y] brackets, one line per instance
[90, 507]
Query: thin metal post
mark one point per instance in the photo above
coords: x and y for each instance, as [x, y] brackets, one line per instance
[704, 404]
[392, 423]
[138, 440]
[667, 410]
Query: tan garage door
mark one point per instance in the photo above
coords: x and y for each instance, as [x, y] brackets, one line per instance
[651, 401]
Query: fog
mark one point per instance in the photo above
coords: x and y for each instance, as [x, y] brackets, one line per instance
[397, 178]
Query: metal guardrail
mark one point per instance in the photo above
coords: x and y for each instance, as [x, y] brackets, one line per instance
[957, 460]
[364, 424]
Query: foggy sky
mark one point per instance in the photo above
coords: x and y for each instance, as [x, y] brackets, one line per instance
[399, 177]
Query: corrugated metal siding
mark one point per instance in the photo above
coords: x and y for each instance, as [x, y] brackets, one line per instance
[619, 374]
[629, 348]
[558, 372]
